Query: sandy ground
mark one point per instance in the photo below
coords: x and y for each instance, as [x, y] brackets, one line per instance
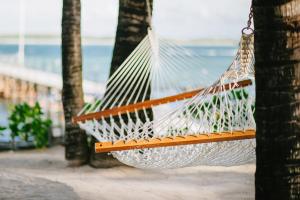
[44, 174]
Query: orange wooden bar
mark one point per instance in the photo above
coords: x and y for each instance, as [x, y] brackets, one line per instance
[156, 102]
[173, 141]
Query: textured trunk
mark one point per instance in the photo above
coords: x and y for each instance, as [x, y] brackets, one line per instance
[72, 93]
[133, 23]
[277, 54]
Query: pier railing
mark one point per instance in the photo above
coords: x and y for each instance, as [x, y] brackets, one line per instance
[20, 84]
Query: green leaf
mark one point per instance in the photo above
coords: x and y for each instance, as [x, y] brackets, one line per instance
[27, 121]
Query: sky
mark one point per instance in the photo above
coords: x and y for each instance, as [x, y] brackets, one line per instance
[174, 19]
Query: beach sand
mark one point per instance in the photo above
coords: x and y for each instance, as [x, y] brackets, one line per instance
[44, 174]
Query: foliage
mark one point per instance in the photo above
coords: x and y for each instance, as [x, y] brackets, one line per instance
[89, 106]
[26, 122]
[235, 95]
[175, 131]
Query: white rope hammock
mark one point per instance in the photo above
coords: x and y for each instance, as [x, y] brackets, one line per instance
[158, 68]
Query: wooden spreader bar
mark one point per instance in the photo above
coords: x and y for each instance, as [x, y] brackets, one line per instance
[173, 141]
[156, 102]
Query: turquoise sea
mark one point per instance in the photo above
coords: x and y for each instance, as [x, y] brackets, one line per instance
[97, 58]
[96, 61]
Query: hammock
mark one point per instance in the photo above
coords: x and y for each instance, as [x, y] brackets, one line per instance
[155, 114]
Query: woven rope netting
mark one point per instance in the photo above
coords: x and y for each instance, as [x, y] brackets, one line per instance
[158, 68]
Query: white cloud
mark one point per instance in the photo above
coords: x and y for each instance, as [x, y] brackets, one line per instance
[201, 18]
[99, 17]
[181, 19]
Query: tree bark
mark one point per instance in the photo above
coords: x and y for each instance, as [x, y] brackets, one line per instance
[133, 24]
[76, 149]
[277, 68]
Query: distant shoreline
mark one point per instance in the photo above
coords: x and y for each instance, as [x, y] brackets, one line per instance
[55, 40]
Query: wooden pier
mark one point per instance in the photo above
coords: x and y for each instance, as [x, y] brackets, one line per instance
[20, 84]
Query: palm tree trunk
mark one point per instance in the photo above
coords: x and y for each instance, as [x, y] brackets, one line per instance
[133, 23]
[76, 149]
[277, 55]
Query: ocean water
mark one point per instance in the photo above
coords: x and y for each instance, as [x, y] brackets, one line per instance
[96, 62]
[97, 58]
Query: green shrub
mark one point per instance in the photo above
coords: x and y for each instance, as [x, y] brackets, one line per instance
[234, 96]
[27, 122]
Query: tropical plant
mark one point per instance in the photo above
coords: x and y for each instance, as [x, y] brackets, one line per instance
[27, 122]
[198, 111]
[277, 64]
[76, 148]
